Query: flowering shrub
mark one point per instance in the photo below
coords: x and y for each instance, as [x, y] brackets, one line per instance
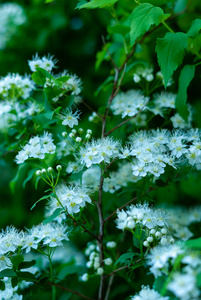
[100, 179]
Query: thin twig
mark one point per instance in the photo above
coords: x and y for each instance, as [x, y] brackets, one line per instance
[90, 108]
[68, 290]
[109, 287]
[129, 202]
[85, 229]
[119, 125]
[115, 271]
[115, 66]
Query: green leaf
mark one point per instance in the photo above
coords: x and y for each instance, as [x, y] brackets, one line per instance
[48, 1]
[69, 269]
[16, 260]
[2, 285]
[118, 28]
[98, 4]
[186, 75]
[29, 177]
[170, 52]
[199, 280]
[195, 243]
[7, 273]
[80, 3]
[124, 258]
[143, 16]
[40, 75]
[17, 177]
[195, 28]
[159, 283]
[43, 198]
[49, 114]
[27, 264]
[180, 5]
[26, 276]
[55, 214]
[14, 282]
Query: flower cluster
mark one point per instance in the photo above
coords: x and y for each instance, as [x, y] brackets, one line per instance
[152, 151]
[37, 147]
[140, 217]
[47, 63]
[183, 283]
[148, 294]
[70, 198]
[98, 151]
[128, 103]
[145, 73]
[10, 292]
[14, 86]
[12, 16]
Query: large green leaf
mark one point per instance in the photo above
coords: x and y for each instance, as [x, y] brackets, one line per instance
[195, 243]
[143, 16]
[98, 4]
[194, 30]
[170, 52]
[186, 75]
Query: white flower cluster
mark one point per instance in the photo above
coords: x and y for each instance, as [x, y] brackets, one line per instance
[12, 113]
[148, 294]
[156, 149]
[154, 222]
[143, 73]
[69, 118]
[72, 84]
[50, 234]
[47, 63]
[161, 257]
[128, 103]
[70, 198]
[98, 151]
[9, 293]
[37, 147]
[12, 16]
[183, 283]
[14, 86]
[94, 258]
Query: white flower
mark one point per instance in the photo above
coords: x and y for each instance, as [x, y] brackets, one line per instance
[148, 294]
[69, 118]
[47, 63]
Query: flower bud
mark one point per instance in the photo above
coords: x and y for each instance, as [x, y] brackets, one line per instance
[80, 130]
[71, 135]
[108, 261]
[157, 234]
[38, 173]
[152, 231]
[84, 277]
[163, 231]
[78, 139]
[50, 169]
[89, 131]
[73, 131]
[64, 134]
[100, 271]
[44, 171]
[150, 239]
[88, 136]
[146, 244]
[59, 168]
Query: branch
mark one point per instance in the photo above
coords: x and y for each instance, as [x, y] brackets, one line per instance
[68, 290]
[107, 133]
[90, 108]
[115, 66]
[85, 229]
[109, 287]
[129, 202]
[115, 271]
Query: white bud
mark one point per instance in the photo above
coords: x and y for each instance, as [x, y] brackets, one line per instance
[71, 135]
[44, 171]
[172, 240]
[38, 173]
[78, 139]
[64, 134]
[130, 223]
[157, 234]
[91, 118]
[89, 131]
[150, 239]
[136, 78]
[152, 231]
[59, 168]
[140, 215]
[100, 271]
[96, 264]
[108, 261]
[50, 169]
[84, 277]
[164, 241]
[163, 231]
[88, 136]
[97, 259]
[73, 131]
[89, 264]
[111, 244]
[80, 130]
[146, 244]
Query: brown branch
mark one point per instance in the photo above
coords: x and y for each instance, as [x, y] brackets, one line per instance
[68, 290]
[115, 271]
[85, 229]
[129, 202]
[110, 56]
[113, 129]
[109, 287]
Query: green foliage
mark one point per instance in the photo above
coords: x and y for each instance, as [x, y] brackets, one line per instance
[143, 16]
[98, 4]
[186, 75]
[194, 30]
[125, 258]
[170, 52]
[194, 243]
